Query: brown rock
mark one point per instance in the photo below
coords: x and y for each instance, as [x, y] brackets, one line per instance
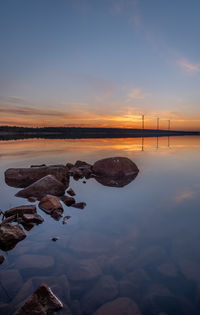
[83, 270]
[10, 219]
[34, 261]
[46, 185]
[43, 301]
[10, 235]
[68, 201]
[69, 165]
[79, 205]
[115, 167]
[104, 290]
[23, 177]
[32, 199]
[50, 203]
[82, 164]
[71, 192]
[119, 306]
[19, 211]
[32, 218]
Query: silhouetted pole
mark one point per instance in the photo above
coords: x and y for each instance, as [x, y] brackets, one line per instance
[158, 121]
[157, 144]
[169, 124]
[142, 143]
[143, 122]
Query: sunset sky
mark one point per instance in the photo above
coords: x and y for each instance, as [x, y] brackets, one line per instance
[100, 63]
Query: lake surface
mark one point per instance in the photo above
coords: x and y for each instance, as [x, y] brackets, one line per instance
[140, 241]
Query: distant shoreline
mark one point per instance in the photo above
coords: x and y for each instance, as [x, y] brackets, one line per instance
[11, 133]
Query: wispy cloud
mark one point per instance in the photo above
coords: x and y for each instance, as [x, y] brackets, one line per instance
[136, 94]
[188, 66]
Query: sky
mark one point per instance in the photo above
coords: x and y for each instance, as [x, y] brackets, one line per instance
[100, 63]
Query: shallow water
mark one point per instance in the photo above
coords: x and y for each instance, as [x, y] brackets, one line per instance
[144, 236]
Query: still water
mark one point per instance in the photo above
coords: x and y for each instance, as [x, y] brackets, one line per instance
[140, 241]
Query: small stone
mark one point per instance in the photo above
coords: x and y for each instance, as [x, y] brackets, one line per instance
[71, 192]
[42, 302]
[32, 199]
[54, 239]
[2, 258]
[84, 182]
[68, 201]
[79, 205]
[66, 218]
[10, 235]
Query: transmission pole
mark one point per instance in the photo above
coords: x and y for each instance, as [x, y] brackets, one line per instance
[142, 122]
[158, 121]
[169, 124]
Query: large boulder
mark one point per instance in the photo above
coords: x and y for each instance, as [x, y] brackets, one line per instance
[119, 306]
[46, 185]
[10, 235]
[43, 301]
[115, 171]
[23, 177]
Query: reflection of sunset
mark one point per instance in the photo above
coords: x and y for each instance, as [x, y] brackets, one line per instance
[34, 147]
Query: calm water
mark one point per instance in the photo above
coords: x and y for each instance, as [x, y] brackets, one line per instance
[140, 241]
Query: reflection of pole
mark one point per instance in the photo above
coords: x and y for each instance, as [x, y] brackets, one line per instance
[157, 143]
[158, 123]
[142, 144]
[168, 141]
[142, 122]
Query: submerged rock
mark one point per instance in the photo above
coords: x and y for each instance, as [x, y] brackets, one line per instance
[115, 172]
[10, 235]
[105, 289]
[46, 185]
[34, 261]
[20, 210]
[119, 306]
[83, 270]
[43, 301]
[23, 177]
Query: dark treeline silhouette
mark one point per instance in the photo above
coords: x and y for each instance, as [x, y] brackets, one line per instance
[14, 132]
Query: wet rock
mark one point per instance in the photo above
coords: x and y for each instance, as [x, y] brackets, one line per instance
[168, 270]
[82, 164]
[10, 219]
[105, 289]
[43, 301]
[68, 201]
[69, 165]
[115, 182]
[23, 177]
[76, 173]
[19, 211]
[115, 167]
[71, 192]
[119, 306]
[32, 218]
[46, 185]
[83, 270]
[54, 239]
[2, 258]
[41, 165]
[34, 261]
[10, 235]
[79, 205]
[32, 199]
[53, 281]
[11, 282]
[50, 203]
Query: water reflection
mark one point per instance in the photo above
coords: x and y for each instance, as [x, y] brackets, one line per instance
[140, 242]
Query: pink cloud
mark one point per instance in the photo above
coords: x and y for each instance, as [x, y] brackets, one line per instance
[136, 94]
[188, 66]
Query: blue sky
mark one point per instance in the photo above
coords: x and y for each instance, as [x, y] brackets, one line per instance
[100, 63]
